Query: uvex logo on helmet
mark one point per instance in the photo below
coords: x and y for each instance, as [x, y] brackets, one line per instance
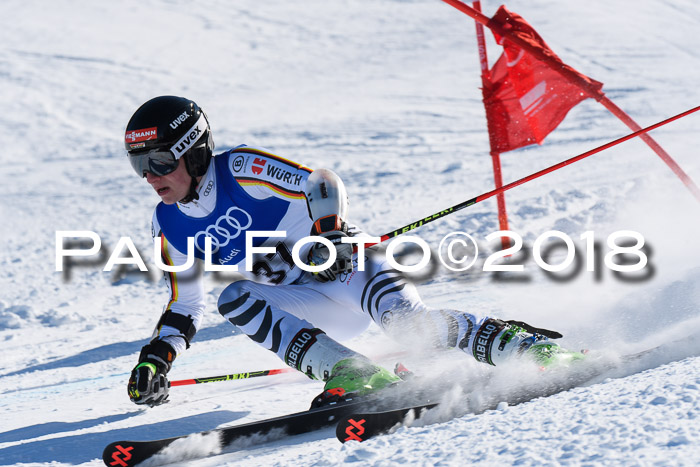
[180, 118]
[136, 136]
[190, 137]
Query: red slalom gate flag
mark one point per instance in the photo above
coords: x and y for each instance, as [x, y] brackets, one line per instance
[524, 98]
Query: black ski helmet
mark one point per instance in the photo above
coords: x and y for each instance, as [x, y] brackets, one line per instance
[171, 124]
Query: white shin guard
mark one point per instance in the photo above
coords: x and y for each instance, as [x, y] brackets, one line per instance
[314, 353]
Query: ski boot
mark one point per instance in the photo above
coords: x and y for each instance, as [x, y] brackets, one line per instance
[550, 355]
[354, 377]
[499, 341]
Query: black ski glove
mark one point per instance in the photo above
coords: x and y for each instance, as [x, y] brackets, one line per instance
[319, 254]
[148, 383]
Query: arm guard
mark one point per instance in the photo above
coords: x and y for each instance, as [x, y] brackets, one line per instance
[327, 201]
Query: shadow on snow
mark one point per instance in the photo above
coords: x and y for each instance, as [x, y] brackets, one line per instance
[82, 448]
[121, 349]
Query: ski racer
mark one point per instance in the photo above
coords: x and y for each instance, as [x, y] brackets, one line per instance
[299, 315]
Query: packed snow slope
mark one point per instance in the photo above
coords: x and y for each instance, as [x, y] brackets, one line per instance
[385, 93]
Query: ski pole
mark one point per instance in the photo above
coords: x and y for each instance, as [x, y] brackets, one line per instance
[487, 195]
[254, 374]
[235, 376]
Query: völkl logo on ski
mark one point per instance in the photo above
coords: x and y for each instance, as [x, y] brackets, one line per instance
[350, 430]
[117, 458]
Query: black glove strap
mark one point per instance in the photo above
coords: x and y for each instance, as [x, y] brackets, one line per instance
[184, 324]
[160, 353]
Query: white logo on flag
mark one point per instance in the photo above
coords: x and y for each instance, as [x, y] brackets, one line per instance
[533, 98]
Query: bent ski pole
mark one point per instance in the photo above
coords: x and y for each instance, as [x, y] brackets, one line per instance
[235, 376]
[255, 374]
[487, 195]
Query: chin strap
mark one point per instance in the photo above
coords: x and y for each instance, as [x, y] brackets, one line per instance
[192, 195]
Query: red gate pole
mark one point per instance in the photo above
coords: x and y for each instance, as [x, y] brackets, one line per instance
[495, 156]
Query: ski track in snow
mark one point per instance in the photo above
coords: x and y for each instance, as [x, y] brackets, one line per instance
[386, 93]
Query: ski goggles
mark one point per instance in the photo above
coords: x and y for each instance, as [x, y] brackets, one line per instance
[156, 161]
[161, 161]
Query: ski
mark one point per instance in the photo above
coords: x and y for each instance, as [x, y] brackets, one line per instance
[130, 453]
[361, 426]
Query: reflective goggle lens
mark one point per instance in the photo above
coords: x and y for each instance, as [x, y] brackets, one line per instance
[156, 161]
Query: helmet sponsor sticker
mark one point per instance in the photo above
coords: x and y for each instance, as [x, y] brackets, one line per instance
[136, 136]
[180, 118]
[190, 137]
